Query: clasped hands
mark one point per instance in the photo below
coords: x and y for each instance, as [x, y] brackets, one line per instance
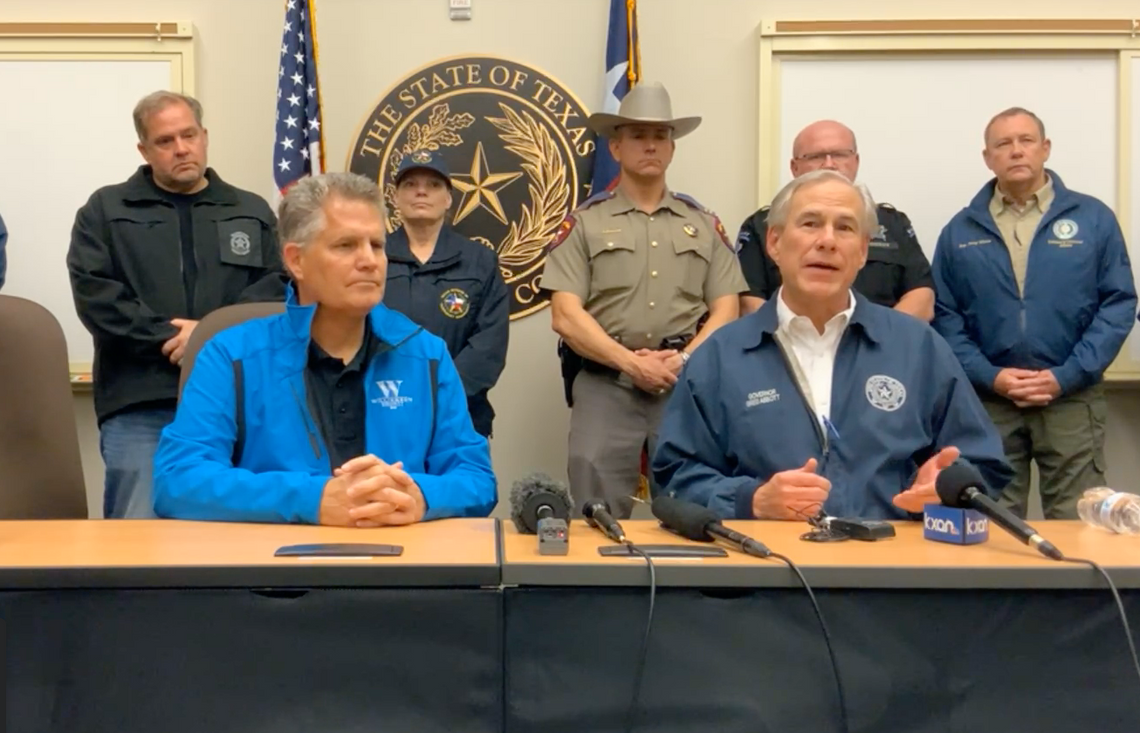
[367, 492]
[655, 370]
[1027, 387]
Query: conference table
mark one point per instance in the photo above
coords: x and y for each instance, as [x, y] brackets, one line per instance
[928, 636]
[175, 626]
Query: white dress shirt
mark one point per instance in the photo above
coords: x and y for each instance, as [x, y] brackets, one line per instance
[814, 351]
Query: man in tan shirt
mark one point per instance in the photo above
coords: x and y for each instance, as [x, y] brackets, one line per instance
[640, 276]
[1034, 293]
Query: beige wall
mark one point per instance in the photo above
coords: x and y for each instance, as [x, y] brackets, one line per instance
[706, 52]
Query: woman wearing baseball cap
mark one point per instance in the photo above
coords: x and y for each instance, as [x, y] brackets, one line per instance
[447, 283]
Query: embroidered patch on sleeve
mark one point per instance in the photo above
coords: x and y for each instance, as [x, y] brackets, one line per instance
[564, 230]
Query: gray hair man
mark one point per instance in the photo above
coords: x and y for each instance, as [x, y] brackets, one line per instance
[148, 258]
[1036, 297]
[351, 414]
[821, 401]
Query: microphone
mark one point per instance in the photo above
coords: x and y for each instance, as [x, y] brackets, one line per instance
[960, 486]
[537, 497]
[702, 524]
[597, 514]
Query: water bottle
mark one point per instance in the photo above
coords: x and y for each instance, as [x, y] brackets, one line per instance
[1112, 510]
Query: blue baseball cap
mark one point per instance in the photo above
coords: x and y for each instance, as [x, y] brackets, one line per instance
[424, 160]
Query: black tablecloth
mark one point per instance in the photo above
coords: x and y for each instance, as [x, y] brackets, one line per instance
[425, 659]
[754, 661]
[239, 661]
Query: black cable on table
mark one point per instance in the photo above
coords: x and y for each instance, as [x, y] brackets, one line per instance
[639, 673]
[844, 724]
[1119, 606]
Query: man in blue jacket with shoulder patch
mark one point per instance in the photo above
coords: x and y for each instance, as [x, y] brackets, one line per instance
[1034, 293]
[822, 399]
[350, 414]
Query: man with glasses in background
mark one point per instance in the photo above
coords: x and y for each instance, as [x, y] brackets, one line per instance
[897, 272]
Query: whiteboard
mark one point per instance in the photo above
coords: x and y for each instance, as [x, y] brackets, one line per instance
[919, 121]
[66, 130]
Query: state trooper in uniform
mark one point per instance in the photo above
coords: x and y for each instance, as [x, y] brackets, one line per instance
[897, 273]
[640, 276]
[447, 283]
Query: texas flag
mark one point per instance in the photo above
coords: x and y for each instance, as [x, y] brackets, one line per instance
[623, 71]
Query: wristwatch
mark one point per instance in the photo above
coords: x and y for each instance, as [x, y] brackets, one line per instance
[684, 357]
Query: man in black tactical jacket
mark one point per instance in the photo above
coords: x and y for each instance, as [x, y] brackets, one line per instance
[897, 273]
[148, 258]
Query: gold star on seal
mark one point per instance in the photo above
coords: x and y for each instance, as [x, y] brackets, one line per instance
[483, 189]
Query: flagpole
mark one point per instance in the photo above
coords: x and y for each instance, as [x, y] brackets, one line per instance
[623, 48]
[633, 73]
[316, 75]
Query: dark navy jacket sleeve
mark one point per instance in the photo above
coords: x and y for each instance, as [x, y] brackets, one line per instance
[961, 421]
[3, 252]
[194, 475]
[458, 481]
[948, 319]
[481, 360]
[690, 461]
[1113, 321]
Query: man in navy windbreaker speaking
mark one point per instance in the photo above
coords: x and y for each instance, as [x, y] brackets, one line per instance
[822, 399]
[1034, 293]
[351, 414]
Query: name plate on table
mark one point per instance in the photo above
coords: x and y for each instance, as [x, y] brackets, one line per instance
[341, 549]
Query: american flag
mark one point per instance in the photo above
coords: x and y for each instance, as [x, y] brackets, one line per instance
[298, 149]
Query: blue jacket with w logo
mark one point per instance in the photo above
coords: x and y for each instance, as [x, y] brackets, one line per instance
[267, 462]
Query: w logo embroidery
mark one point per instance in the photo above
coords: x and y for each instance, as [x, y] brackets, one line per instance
[390, 394]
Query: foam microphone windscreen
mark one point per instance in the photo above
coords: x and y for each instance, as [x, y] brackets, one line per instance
[530, 494]
[685, 518]
[953, 481]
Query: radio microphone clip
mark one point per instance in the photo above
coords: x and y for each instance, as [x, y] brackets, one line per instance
[840, 529]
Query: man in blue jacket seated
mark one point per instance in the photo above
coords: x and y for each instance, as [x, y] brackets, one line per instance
[344, 412]
[822, 399]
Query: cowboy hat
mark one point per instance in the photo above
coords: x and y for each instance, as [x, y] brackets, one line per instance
[647, 104]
